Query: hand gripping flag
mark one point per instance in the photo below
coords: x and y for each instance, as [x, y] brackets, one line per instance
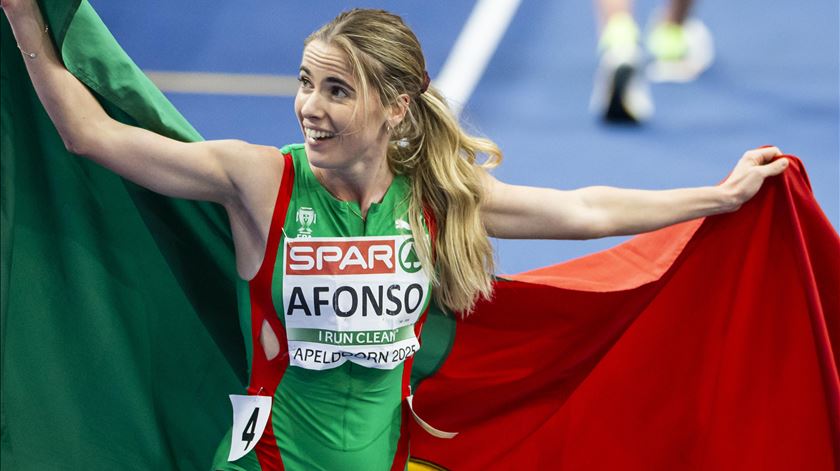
[708, 345]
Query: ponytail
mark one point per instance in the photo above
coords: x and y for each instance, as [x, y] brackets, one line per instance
[446, 181]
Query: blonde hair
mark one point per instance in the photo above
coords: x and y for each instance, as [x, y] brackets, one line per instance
[431, 148]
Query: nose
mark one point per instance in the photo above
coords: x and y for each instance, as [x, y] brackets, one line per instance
[312, 106]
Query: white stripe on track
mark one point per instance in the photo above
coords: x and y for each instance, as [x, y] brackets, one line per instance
[473, 49]
[224, 84]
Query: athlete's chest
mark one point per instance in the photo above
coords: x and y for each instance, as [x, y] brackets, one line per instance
[347, 288]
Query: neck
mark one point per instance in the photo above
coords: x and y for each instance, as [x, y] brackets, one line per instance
[365, 182]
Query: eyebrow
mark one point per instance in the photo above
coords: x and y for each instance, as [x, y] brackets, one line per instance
[330, 79]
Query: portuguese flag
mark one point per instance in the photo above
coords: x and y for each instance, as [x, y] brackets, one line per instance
[708, 345]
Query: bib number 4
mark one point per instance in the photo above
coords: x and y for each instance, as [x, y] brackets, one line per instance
[250, 415]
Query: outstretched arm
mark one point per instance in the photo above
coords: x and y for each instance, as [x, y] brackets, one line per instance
[520, 212]
[212, 170]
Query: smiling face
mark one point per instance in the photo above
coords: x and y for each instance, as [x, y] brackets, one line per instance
[341, 124]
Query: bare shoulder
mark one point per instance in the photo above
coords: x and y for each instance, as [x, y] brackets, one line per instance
[253, 169]
[236, 151]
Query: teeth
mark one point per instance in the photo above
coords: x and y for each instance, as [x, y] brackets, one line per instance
[313, 134]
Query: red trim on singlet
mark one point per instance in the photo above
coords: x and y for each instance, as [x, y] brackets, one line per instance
[265, 374]
[401, 456]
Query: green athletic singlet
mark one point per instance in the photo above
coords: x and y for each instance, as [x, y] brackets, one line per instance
[331, 323]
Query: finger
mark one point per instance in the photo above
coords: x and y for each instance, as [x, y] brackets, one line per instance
[764, 155]
[775, 168]
[761, 155]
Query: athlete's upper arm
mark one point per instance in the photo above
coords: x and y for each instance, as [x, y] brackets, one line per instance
[209, 170]
[524, 212]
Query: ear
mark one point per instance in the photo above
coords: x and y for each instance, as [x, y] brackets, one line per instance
[395, 113]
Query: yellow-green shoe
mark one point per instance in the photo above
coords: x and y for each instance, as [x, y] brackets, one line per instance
[620, 93]
[679, 53]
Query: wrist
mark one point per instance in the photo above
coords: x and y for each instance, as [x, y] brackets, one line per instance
[727, 199]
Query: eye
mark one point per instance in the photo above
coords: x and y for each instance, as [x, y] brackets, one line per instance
[339, 92]
[304, 82]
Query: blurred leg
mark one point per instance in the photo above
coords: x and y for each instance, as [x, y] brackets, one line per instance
[607, 8]
[681, 48]
[678, 11]
[620, 94]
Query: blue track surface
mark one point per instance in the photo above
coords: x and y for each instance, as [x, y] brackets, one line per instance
[775, 80]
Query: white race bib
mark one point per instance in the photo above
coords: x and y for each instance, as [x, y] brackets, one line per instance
[352, 298]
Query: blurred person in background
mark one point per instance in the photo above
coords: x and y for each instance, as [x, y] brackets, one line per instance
[678, 49]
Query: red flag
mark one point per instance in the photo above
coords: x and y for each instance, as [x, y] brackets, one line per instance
[707, 345]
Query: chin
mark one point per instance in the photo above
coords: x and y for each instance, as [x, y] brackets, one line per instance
[320, 158]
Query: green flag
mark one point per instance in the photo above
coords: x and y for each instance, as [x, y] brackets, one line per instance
[119, 330]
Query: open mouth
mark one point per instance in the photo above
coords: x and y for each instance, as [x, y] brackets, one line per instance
[316, 135]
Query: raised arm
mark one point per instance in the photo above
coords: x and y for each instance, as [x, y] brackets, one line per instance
[520, 212]
[241, 176]
[212, 170]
